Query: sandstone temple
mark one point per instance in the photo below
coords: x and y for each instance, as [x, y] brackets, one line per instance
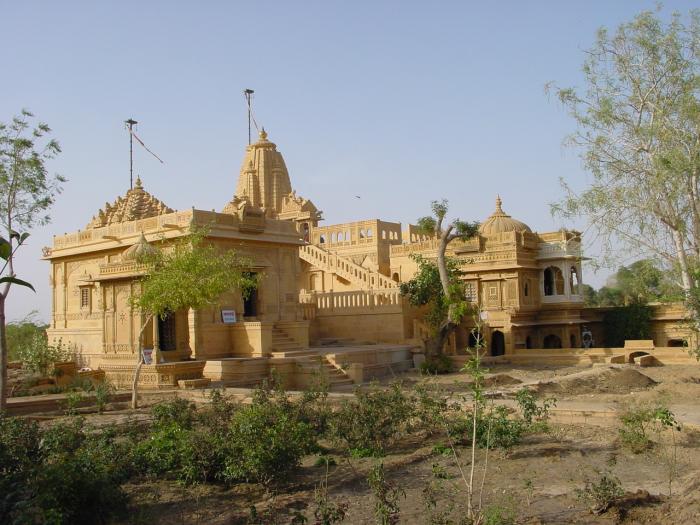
[329, 294]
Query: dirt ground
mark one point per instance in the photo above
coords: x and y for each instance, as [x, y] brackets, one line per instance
[536, 481]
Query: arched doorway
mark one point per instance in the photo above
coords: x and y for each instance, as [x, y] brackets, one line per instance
[498, 343]
[166, 332]
[552, 341]
[528, 342]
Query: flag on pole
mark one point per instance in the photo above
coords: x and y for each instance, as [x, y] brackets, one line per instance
[144, 146]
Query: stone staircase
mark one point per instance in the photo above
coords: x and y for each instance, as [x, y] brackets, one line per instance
[283, 346]
[343, 267]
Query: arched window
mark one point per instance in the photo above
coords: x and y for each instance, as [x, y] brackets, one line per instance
[572, 340]
[526, 290]
[553, 281]
[362, 234]
[528, 342]
[305, 231]
[369, 233]
[322, 239]
[552, 341]
[395, 277]
[383, 234]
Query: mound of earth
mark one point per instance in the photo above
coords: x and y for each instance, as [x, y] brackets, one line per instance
[611, 380]
[500, 380]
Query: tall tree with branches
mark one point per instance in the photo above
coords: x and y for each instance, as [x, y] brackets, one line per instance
[446, 295]
[189, 273]
[27, 191]
[639, 132]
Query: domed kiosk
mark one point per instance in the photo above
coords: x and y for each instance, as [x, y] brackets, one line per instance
[500, 222]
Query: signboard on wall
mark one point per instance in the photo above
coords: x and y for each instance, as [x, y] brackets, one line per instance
[228, 316]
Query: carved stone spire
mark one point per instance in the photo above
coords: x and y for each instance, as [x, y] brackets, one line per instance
[135, 205]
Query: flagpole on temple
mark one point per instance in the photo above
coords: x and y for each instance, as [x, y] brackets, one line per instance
[130, 123]
[248, 96]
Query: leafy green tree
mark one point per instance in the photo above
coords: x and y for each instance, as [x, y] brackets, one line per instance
[641, 282]
[190, 273]
[21, 333]
[27, 191]
[437, 284]
[639, 131]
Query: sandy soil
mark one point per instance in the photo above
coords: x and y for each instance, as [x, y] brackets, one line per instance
[537, 480]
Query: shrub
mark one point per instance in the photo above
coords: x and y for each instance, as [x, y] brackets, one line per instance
[267, 440]
[439, 364]
[39, 356]
[370, 422]
[72, 402]
[103, 393]
[637, 422]
[602, 493]
[386, 496]
[71, 474]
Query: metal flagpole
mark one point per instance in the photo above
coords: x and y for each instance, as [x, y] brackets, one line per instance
[130, 123]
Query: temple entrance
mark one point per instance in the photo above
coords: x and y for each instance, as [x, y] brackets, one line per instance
[166, 333]
[498, 343]
[250, 304]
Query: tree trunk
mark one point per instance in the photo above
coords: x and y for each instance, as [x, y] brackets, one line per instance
[436, 344]
[682, 257]
[139, 364]
[3, 357]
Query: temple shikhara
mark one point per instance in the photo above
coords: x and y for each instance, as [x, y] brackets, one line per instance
[328, 297]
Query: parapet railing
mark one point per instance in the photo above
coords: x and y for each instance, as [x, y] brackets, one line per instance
[319, 303]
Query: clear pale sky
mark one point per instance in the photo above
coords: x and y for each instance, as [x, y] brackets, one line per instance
[398, 102]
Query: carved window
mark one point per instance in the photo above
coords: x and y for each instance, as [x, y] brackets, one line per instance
[84, 297]
[553, 281]
[493, 291]
[470, 292]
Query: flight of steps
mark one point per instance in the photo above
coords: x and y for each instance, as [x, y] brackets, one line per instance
[283, 346]
[344, 267]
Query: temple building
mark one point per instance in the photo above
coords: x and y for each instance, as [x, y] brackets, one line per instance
[330, 284]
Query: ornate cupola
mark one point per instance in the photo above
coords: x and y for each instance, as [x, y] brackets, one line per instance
[500, 222]
[135, 205]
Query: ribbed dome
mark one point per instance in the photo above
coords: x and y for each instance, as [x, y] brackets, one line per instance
[138, 250]
[500, 222]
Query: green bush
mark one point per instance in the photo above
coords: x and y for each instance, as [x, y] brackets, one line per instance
[601, 494]
[638, 422]
[37, 355]
[268, 439]
[627, 322]
[439, 364]
[65, 474]
[370, 422]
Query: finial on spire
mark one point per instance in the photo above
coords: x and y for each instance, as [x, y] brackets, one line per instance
[139, 186]
[498, 204]
[263, 134]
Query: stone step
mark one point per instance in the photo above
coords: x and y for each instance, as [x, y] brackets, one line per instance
[295, 352]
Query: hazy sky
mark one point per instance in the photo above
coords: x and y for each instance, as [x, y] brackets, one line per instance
[397, 102]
